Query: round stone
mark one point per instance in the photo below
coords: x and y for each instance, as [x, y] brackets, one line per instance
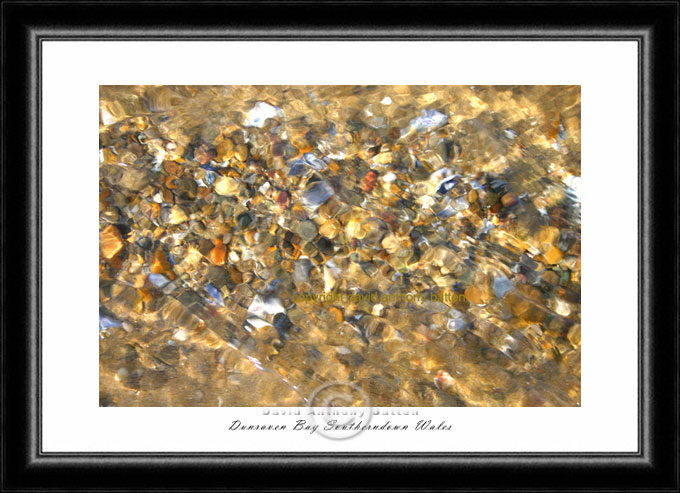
[226, 185]
[307, 230]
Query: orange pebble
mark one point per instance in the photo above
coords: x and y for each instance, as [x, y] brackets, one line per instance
[171, 182]
[110, 242]
[161, 264]
[369, 181]
[219, 253]
[336, 313]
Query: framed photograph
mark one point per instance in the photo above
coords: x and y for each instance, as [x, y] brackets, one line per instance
[338, 245]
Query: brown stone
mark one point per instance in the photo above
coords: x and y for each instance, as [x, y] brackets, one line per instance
[549, 235]
[116, 262]
[283, 200]
[204, 155]
[553, 255]
[369, 181]
[241, 152]
[336, 313]
[574, 335]
[225, 150]
[111, 242]
[531, 292]
[218, 254]
[330, 229]
[235, 275]
[550, 277]
[177, 215]
[509, 199]
[474, 295]
[171, 167]
[161, 264]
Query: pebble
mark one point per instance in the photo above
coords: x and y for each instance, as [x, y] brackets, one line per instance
[474, 295]
[258, 115]
[225, 185]
[177, 215]
[330, 229]
[225, 150]
[574, 335]
[369, 181]
[302, 270]
[501, 285]
[244, 220]
[110, 242]
[161, 264]
[553, 255]
[549, 235]
[241, 153]
[307, 230]
[317, 194]
[219, 253]
[336, 313]
[428, 120]
[314, 162]
[509, 199]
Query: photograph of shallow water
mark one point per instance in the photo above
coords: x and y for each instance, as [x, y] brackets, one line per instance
[418, 244]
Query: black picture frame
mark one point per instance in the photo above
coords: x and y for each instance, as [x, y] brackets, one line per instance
[654, 25]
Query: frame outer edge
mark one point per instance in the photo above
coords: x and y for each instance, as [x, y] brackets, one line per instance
[36, 463]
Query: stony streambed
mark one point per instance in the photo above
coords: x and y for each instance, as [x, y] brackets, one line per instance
[222, 207]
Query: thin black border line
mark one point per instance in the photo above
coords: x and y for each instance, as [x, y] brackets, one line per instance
[3, 242]
[676, 210]
[244, 3]
[644, 93]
